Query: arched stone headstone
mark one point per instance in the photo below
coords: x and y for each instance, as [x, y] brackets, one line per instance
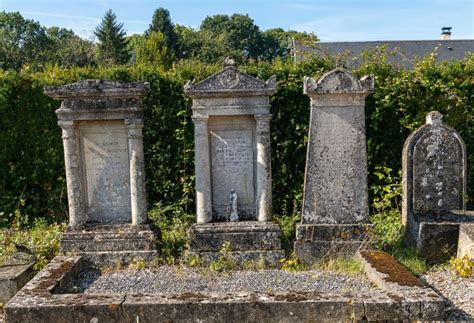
[434, 185]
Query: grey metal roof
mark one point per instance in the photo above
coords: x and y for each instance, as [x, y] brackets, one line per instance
[405, 52]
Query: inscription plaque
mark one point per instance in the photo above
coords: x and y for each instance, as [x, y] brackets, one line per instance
[107, 172]
[232, 169]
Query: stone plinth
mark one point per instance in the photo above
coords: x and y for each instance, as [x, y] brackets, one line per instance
[466, 240]
[434, 184]
[102, 125]
[252, 240]
[14, 274]
[231, 114]
[335, 198]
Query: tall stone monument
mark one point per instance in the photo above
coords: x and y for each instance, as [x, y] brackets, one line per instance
[102, 125]
[335, 198]
[434, 187]
[231, 114]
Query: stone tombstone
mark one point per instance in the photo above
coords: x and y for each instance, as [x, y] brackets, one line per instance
[102, 125]
[335, 197]
[232, 145]
[231, 114]
[434, 185]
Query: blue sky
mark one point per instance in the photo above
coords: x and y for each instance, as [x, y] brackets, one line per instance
[336, 20]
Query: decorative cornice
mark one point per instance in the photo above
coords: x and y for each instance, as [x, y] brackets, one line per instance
[97, 89]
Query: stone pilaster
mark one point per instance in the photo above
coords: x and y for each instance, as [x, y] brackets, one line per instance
[75, 192]
[202, 170]
[137, 172]
[264, 168]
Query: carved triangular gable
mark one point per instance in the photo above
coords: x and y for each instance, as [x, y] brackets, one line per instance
[229, 79]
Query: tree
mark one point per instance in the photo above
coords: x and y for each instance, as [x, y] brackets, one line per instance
[70, 49]
[161, 22]
[241, 36]
[113, 44]
[154, 51]
[24, 41]
[280, 43]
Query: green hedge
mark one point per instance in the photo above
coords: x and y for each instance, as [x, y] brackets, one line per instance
[32, 182]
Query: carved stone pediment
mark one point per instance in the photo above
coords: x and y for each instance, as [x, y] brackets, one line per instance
[339, 80]
[229, 80]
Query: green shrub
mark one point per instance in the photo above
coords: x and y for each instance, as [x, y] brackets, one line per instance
[42, 240]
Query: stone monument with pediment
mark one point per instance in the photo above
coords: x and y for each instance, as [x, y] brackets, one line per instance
[231, 114]
[102, 125]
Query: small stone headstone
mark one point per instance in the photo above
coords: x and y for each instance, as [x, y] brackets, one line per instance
[434, 185]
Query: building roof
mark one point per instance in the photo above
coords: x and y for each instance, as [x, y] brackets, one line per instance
[404, 52]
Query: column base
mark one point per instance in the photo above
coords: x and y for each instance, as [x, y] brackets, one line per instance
[249, 240]
[327, 241]
[110, 244]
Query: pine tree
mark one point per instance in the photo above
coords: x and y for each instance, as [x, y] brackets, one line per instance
[113, 44]
[161, 22]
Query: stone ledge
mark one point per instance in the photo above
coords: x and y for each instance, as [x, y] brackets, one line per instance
[13, 276]
[108, 238]
[37, 302]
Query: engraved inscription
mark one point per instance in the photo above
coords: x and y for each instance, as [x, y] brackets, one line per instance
[335, 183]
[107, 172]
[232, 169]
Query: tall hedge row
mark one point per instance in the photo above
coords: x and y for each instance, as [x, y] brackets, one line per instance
[32, 182]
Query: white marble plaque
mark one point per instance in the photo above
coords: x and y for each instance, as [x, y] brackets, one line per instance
[233, 169]
[106, 171]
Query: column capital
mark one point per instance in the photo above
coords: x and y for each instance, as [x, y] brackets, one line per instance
[200, 119]
[263, 117]
[66, 124]
[134, 122]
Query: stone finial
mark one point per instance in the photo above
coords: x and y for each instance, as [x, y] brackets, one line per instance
[228, 61]
[434, 118]
[339, 80]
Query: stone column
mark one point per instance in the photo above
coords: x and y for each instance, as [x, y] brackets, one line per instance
[202, 170]
[75, 192]
[137, 172]
[264, 168]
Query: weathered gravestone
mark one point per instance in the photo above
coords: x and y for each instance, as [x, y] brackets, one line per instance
[434, 186]
[233, 167]
[335, 199]
[102, 125]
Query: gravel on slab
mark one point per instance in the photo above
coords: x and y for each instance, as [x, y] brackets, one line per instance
[175, 279]
[458, 293]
